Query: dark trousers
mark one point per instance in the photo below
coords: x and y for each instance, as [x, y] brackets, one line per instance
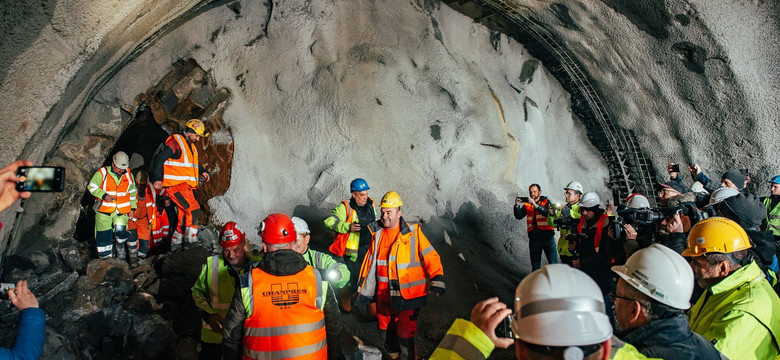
[539, 241]
[210, 351]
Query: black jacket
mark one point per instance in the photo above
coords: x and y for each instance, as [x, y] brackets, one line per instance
[671, 339]
[281, 263]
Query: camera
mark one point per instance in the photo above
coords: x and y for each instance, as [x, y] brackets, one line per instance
[675, 168]
[653, 216]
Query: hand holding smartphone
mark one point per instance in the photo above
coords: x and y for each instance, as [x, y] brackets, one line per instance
[40, 178]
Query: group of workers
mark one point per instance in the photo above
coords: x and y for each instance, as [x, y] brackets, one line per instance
[132, 212]
[284, 302]
[630, 274]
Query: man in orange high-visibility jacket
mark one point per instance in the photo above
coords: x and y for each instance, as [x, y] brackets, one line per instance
[541, 236]
[115, 197]
[278, 311]
[176, 169]
[399, 269]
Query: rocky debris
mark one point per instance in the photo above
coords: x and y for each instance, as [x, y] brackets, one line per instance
[111, 270]
[142, 303]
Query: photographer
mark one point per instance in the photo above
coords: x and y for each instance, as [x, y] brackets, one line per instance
[596, 243]
[29, 339]
[541, 236]
[749, 213]
[634, 234]
[566, 219]
[735, 179]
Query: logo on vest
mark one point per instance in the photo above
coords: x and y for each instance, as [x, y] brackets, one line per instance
[284, 296]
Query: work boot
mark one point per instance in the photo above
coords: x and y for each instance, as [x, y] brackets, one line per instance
[120, 251]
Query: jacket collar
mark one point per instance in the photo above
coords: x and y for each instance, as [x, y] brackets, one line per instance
[743, 275]
[659, 332]
[377, 225]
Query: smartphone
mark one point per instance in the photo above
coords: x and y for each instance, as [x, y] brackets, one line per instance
[41, 178]
[4, 287]
[524, 199]
[676, 168]
[504, 329]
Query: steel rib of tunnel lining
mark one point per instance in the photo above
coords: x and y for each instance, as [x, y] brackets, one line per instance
[629, 169]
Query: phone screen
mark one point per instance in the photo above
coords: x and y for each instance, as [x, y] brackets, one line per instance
[41, 178]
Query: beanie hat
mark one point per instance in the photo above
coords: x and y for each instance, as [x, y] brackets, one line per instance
[747, 211]
[671, 185]
[736, 178]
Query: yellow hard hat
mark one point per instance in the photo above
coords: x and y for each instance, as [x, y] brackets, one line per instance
[716, 235]
[391, 200]
[198, 127]
[141, 177]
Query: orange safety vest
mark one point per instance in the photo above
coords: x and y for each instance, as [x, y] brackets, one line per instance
[185, 168]
[339, 245]
[119, 191]
[541, 220]
[408, 272]
[286, 320]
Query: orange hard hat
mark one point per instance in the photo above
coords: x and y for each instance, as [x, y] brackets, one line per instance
[278, 229]
[231, 235]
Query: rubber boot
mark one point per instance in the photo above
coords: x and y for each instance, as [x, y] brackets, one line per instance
[120, 250]
[408, 351]
[192, 238]
[176, 241]
[132, 245]
[104, 240]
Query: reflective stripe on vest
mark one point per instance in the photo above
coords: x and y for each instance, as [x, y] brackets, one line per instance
[286, 318]
[185, 168]
[541, 220]
[215, 304]
[461, 346]
[161, 227]
[120, 192]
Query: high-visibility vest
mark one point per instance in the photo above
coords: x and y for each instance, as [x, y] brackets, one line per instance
[120, 192]
[221, 288]
[541, 220]
[773, 217]
[285, 318]
[344, 243]
[185, 168]
[160, 229]
[407, 271]
[151, 205]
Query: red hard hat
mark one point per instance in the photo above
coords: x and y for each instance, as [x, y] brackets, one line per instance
[231, 235]
[277, 229]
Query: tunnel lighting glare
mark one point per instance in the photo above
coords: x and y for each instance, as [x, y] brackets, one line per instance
[334, 275]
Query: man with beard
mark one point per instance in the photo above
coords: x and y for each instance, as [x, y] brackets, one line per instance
[653, 289]
[541, 236]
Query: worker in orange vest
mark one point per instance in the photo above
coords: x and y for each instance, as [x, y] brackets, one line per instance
[142, 220]
[350, 220]
[401, 266]
[176, 169]
[115, 197]
[278, 312]
[541, 236]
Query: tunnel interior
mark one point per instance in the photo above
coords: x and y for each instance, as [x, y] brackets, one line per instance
[456, 105]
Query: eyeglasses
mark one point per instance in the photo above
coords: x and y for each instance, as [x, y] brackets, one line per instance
[569, 193]
[613, 296]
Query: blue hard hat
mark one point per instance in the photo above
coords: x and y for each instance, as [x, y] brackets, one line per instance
[775, 179]
[358, 184]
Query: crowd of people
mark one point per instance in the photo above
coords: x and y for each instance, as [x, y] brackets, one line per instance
[689, 279]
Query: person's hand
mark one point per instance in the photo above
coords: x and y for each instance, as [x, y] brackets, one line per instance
[673, 224]
[629, 231]
[486, 315]
[532, 201]
[518, 201]
[354, 228]
[206, 176]
[576, 263]
[608, 210]
[157, 185]
[22, 297]
[8, 180]
[695, 170]
[215, 321]
[109, 198]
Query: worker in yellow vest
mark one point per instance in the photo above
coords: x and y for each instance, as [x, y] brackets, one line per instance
[115, 197]
[177, 169]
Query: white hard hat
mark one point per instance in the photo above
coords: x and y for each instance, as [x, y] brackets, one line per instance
[559, 305]
[590, 199]
[638, 201]
[300, 225]
[574, 185]
[697, 187]
[660, 273]
[722, 194]
[121, 160]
